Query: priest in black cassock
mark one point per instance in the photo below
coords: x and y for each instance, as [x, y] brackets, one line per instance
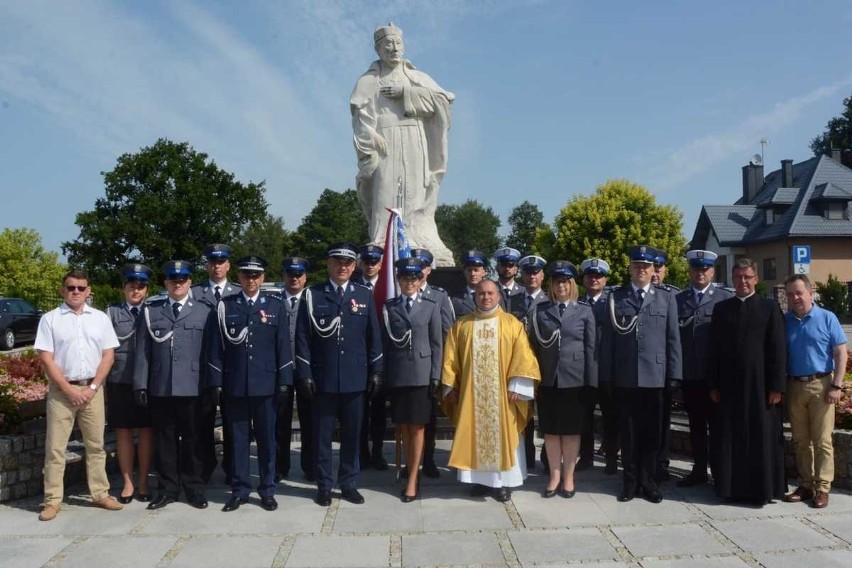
[747, 379]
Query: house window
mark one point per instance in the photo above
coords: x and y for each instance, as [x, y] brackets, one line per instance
[769, 216]
[835, 210]
[769, 270]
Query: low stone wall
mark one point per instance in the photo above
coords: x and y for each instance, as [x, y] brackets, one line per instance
[21, 463]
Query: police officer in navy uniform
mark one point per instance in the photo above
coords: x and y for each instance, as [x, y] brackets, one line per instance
[217, 262]
[595, 272]
[295, 270]
[695, 312]
[521, 306]
[122, 413]
[375, 412]
[167, 377]
[338, 363]
[658, 278]
[448, 318]
[473, 267]
[640, 353]
[507, 272]
[250, 362]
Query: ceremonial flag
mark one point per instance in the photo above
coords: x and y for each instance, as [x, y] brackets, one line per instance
[396, 247]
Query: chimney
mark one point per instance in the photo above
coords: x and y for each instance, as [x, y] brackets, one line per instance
[835, 154]
[752, 182]
[787, 173]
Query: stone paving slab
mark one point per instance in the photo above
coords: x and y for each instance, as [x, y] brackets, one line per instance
[448, 549]
[373, 515]
[708, 562]
[73, 520]
[535, 547]
[639, 511]
[454, 510]
[124, 551]
[839, 525]
[28, 552]
[668, 540]
[762, 535]
[227, 552]
[815, 558]
[537, 512]
[339, 551]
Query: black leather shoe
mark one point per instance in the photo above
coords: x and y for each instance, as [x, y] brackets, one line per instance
[379, 462]
[584, 463]
[652, 495]
[548, 493]
[124, 500]
[142, 497]
[626, 495]
[233, 504]
[565, 494]
[431, 471]
[502, 495]
[160, 502]
[268, 503]
[352, 496]
[479, 490]
[692, 479]
[198, 501]
[323, 498]
[407, 498]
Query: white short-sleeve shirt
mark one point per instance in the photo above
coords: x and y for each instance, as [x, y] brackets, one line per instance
[77, 341]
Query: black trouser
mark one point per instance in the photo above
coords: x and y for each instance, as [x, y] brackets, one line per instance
[699, 409]
[284, 433]
[374, 424]
[208, 440]
[665, 431]
[246, 415]
[347, 408]
[529, 442]
[429, 436]
[177, 457]
[605, 400]
[640, 414]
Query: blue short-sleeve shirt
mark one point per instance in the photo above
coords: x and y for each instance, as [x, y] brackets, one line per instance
[811, 340]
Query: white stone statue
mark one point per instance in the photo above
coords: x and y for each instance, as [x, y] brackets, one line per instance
[400, 119]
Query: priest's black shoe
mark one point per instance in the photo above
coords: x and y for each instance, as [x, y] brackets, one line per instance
[352, 495]
[198, 501]
[233, 504]
[160, 502]
[268, 503]
[652, 495]
[503, 494]
[379, 462]
[430, 470]
[323, 498]
[584, 463]
[692, 479]
[479, 490]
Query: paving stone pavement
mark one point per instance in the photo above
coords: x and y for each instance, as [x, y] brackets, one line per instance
[445, 527]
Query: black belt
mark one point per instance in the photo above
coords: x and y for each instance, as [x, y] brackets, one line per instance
[83, 383]
[809, 378]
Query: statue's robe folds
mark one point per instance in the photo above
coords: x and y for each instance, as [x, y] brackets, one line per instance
[486, 355]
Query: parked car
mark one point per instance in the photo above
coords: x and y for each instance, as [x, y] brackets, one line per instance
[18, 322]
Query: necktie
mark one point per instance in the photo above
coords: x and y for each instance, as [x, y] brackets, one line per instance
[640, 293]
[135, 311]
[700, 295]
[368, 284]
[340, 292]
[529, 302]
[293, 301]
[251, 304]
[591, 301]
[408, 303]
[176, 308]
[561, 308]
[505, 294]
[218, 292]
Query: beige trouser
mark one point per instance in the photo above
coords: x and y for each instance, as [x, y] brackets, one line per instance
[812, 423]
[60, 422]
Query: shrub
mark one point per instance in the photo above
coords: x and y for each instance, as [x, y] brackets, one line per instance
[21, 379]
[833, 296]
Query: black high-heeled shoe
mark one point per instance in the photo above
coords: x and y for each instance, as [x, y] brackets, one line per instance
[567, 494]
[405, 498]
[125, 500]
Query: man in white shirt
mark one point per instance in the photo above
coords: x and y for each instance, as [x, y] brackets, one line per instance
[75, 344]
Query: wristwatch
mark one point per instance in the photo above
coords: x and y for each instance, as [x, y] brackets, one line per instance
[93, 386]
[836, 387]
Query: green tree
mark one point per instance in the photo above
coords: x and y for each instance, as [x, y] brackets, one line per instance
[468, 226]
[29, 271]
[164, 202]
[619, 214]
[336, 217]
[838, 134]
[268, 239]
[833, 296]
[526, 221]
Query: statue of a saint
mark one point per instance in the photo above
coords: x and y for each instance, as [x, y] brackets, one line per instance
[400, 119]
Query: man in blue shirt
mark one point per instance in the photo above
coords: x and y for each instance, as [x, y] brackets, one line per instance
[816, 363]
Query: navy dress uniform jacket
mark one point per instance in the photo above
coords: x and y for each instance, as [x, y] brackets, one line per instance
[694, 320]
[569, 362]
[260, 363]
[419, 361]
[341, 362]
[173, 366]
[125, 329]
[207, 293]
[649, 355]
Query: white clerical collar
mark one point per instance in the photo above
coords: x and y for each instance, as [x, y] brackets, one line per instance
[746, 297]
[253, 298]
[489, 312]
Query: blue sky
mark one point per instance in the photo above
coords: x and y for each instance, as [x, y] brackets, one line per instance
[553, 98]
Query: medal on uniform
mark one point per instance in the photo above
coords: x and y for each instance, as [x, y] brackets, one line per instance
[354, 306]
[262, 316]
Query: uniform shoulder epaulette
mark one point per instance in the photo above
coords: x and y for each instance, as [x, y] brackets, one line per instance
[584, 302]
[394, 301]
[156, 302]
[273, 295]
[116, 305]
[428, 299]
[437, 288]
[358, 284]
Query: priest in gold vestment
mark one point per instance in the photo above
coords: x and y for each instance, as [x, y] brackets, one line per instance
[489, 379]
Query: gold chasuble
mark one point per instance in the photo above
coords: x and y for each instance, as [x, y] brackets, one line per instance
[483, 352]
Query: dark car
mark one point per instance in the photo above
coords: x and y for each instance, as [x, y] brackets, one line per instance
[18, 322]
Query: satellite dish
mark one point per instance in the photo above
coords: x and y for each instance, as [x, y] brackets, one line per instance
[756, 160]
